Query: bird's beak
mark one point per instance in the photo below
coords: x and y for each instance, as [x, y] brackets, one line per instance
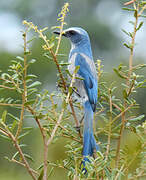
[58, 33]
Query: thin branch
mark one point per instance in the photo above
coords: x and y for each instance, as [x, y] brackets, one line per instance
[6, 87]
[120, 115]
[37, 120]
[22, 164]
[61, 114]
[42, 130]
[62, 16]
[7, 104]
[129, 2]
[3, 131]
[109, 131]
[70, 137]
[59, 125]
[133, 43]
[21, 154]
[74, 115]
[119, 140]
[119, 172]
[129, 89]
[141, 11]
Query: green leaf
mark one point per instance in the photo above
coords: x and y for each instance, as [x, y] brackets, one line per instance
[108, 173]
[14, 117]
[64, 64]
[51, 171]
[67, 71]
[80, 78]
[40, 167]
[135, 13]
[4, 116]
[27, 52]
[27, 128]
[32, 61]
[24, 134]
[13, 125]
[125, 95]
[144, 16]
[125, 32]
[128, 9]
[5, 75]
[131, 22]
[140, 25]
[29, 157]
[20, 58]
[127, 46]
[118, 73]
[64, 55]
[5, 137]
[30, 102]
[29, 76]
[15, 155]
[41, 175]
[36, 83]
[22, 145]
[70, 90]
[64, 104]
[76, 69]
[31, 40]
[46, 55]
[137, 118]
[44, 29]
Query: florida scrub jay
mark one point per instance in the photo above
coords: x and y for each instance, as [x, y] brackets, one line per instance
[81, 55]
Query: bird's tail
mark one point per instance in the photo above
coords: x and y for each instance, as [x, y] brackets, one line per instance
[89, 142]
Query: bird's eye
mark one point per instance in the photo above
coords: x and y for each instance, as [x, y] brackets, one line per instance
[72, 32]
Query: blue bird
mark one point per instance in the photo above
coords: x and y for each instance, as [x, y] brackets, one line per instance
[81, 55]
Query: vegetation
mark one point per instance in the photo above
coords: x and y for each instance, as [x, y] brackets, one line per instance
[119, 130]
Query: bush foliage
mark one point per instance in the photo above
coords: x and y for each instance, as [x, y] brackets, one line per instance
[119, 130]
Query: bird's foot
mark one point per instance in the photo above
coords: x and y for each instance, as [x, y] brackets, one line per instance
[78, 128]
[83, 164]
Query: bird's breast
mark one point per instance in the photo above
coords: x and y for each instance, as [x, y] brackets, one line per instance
[78, 83]
[71, 66]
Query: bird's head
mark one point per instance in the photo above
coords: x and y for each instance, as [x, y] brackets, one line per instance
[75, 34]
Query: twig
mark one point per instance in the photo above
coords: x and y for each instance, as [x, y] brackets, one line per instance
[141, 11]
[22, 155]
[8, 133]
[62, 18]
[74, 115]
[120, 115]
[44, 141]
[37, 120]
[5, 87]
[109, 131]
[133, 43]
[119, 140]
[118, 174]
[129, 89]
[25, 164]
[3, 131]
[62, 113]
[129, 2]
[70, 137]
[7, 104]
[22, 164]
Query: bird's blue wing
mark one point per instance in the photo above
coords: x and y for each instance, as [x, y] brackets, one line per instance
[90, 81]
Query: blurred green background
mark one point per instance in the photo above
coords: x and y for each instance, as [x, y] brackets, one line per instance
[103, 19]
